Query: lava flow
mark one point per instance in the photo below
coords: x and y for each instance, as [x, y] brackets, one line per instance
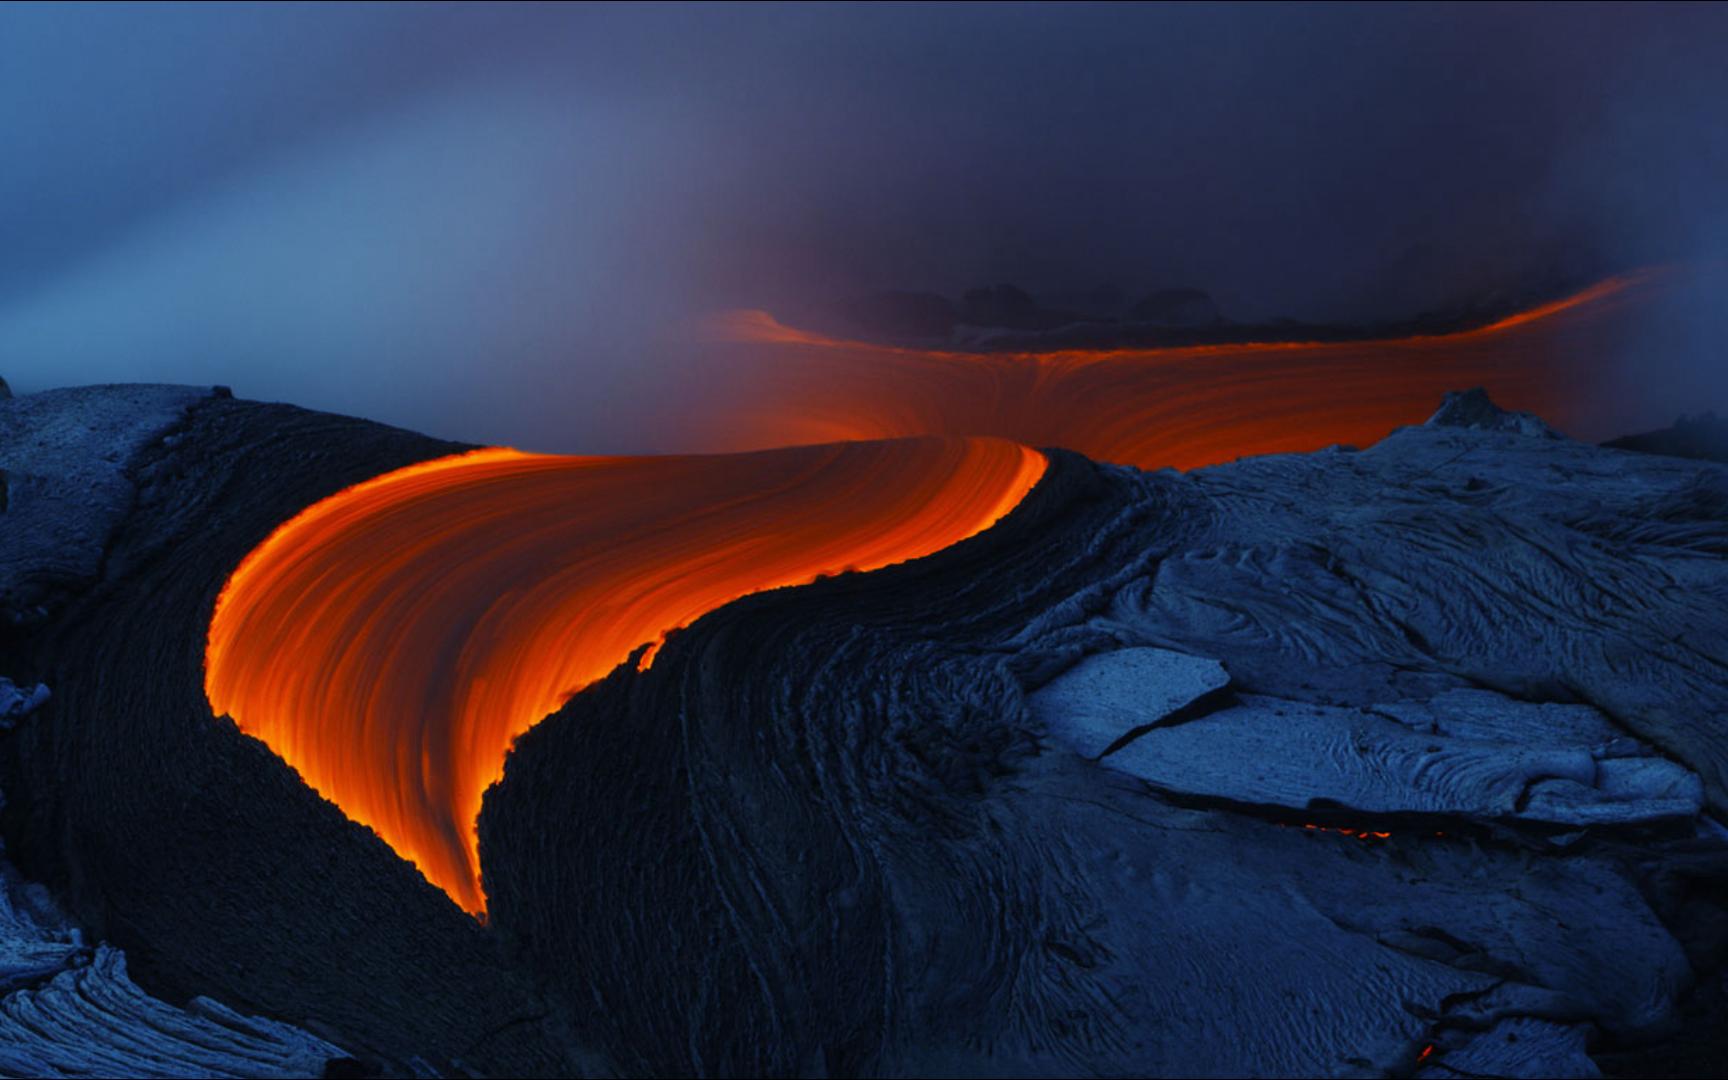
[1178, 406]
[392, 640]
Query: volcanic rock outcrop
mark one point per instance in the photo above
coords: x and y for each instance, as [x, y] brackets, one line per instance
[1401, 761]
[1177, 307]
[63, 488]
[1704, 436]
[70, 1009]
[1473, 409]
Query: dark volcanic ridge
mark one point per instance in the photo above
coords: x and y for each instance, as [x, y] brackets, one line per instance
[1704, 437]
[1406, 761]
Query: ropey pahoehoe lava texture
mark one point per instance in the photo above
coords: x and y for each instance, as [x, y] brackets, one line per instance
[871, 830]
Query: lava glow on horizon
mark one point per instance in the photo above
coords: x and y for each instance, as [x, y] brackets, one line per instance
[391, 641]
[1181, 406]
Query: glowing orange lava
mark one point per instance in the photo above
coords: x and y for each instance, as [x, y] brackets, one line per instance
[1360, 834]
[1183, 406]
[392, 640]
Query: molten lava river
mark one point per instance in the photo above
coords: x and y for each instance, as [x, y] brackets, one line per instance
[1183, 406]
[392, 640]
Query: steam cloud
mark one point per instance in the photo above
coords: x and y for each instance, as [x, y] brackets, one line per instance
[494, 222]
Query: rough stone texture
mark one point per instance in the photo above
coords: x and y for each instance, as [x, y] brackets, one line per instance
[838, 829]
[70, 1009]
[63, 488]
[17, 702]
[1111, 697]
[67, 1009]
[1276, 753]
[1473, 409]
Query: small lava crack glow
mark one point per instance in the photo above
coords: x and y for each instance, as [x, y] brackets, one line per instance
[1360, 834]
[391, 641]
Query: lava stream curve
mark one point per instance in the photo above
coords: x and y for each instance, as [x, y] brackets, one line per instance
[1180, 406]
[392, 640]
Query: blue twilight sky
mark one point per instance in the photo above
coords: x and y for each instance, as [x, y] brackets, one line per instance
[492, 221]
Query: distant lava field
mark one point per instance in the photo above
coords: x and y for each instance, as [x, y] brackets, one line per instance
[1121, 711]
[1183, 406]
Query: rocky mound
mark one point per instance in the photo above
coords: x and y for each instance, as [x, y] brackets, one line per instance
[1472, 409]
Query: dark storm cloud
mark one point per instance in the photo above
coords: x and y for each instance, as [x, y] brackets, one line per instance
[484, 220]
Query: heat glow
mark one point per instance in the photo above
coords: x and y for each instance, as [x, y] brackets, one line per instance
[1182, 406]
[391, 641]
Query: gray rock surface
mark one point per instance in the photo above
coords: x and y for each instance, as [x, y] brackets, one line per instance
[1109, 698]
[1473, 409]
[1273, 752]
[68, 1009]
[17, 702]
[63, 483]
